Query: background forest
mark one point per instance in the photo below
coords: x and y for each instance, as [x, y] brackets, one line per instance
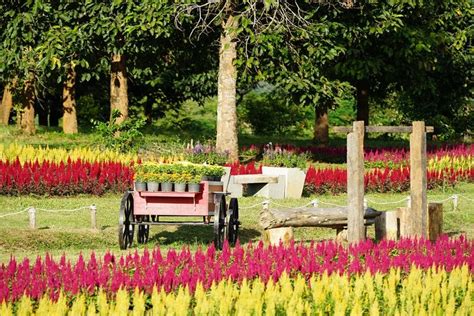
[251, 67]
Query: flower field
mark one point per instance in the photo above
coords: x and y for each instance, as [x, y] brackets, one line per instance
[43, 171]
[409, 276]
[63, 178]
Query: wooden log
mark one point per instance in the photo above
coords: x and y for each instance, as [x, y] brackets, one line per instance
[435, 220]
[386, 226]
[417, 224]
[355, 183]
[274, 236]
[381, 129]
[310, 217]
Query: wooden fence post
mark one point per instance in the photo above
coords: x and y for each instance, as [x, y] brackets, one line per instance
[417, 225]
[93, 209]
[32, 217]
[386, 226]
[435, 220]
[355, 183]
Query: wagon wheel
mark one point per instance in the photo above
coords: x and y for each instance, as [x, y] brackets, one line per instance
[126, 229]
[144, 231]
[220, 223]
[233, 223]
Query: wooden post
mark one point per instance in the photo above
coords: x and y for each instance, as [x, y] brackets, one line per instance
[386, 226]
[32, 216]
[355, 183]
[417, 225]
[435, 220]
[403, 215]
[93, 209]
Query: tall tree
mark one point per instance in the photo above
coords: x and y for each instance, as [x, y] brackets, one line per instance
[417, 49]
[120, 28]
[6, 104]
[23, 25]
[238, 22]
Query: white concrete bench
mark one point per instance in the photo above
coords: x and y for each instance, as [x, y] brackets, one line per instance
[257, 184]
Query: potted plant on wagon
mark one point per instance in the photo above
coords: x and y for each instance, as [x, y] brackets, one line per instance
[140, 179]
[180, 180]
[165, 181]
[194, 183]
[213, 173]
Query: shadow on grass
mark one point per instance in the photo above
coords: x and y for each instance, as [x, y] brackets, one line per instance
[186, 234]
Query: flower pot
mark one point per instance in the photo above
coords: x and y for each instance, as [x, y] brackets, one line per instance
[180, 187]
[294, 179]
[153, 186]
[166, 187]
[140, 186]
[194, 187]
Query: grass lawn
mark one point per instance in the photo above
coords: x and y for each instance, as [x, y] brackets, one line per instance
[69, 232]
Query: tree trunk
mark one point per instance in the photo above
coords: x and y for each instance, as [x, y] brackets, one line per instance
[69, 102]
[119, 88]
[321, 125]
[7, 104]
[27, 117]
[226, 140]
[55, 106]
[363, 101]
[42, 112]
[310, 216]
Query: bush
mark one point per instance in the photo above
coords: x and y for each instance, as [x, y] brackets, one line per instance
[123, 137]
[269, 112]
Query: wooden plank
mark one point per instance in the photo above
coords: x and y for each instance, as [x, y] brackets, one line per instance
[417, 223]
[435, 220]
[170, 194]
[254, 178]
[355, 183]
[381, 129]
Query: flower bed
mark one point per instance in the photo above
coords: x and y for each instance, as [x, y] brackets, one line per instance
[334, 180]
[28, 153]
[72, 177]
[431, 292]
[174, 269]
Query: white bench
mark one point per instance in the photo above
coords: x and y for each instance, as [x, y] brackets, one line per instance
[257, 184]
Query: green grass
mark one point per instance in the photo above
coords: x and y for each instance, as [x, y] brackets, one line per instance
[69, 232]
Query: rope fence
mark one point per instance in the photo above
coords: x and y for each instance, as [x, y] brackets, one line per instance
[317, 202]
[314, 203]
[32, 213]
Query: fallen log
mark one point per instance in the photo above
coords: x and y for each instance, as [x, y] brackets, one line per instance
[310, 217]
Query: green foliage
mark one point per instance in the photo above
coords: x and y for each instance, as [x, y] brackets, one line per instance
[269, 111]
[277, 157]
[124, 137]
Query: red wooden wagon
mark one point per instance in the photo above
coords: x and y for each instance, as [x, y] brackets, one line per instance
[143, 209]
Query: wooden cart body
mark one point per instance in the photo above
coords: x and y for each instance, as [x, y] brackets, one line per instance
[148, 208]
[200, 203]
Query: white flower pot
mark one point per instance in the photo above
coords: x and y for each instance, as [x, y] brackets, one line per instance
[294, 179]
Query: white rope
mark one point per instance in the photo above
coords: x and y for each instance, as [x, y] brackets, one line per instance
[294, 207]
[60, 211]
[465, 197]
[251, 206]
[442, 201]
[331, 204]
[387, 203]
[10, 214]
